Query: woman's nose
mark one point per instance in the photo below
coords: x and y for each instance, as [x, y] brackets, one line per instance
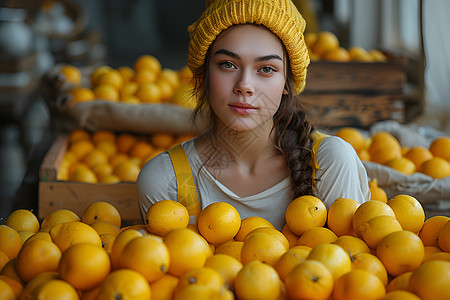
[244, 85]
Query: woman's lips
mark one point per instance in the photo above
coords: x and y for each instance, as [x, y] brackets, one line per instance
[242, 108]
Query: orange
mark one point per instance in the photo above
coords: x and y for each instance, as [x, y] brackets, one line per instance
[438, 256]
[103, 135]
[196, 291]
[290, 259]
[3, 259]
[352, 245]
[110, 148]
[429, 250]
[359, 54]
[71, 74]
[401, 251]
[408, 211]
[162, 140]
[81, 148]
[430, 230]
[67, 234]
[400, 295]
[111, 77]
[104, 227]
[98, 72]
[125, 284]
[83, 174]
[106, 92]
[56, 289]
[309, 280]
[147, 62]
[91, 294]
[385, 154]
[310, 38]
[371, 263]
[226, 265]
[127, 171]
[107, 241]
[25, 235]
[130, 99]
[78, 134]
[165, 216]
[376, 192]
[81, 94]
[399, 283]
[6, 292]
[122, 239]
[381, 140]
[272, 231]
[125, 141]
[364, 155]
[358, 284]
[10, 241]
[171, 77]
[95, 157]
[57, 216]
[290, 236]
[101, 170]
[353, 136]
[15, 285]
[376, 228]
[402, 164]
[39, 235]
[164, 288]
[129, 89]
[101, 211]
[126, 72]
[304, 213]
[145, 76]
[444, 237]
[141, 149]
[418, 155]
[146, 255]
[192, 255]
[10, 270]
[219, 222]
[316, 236]
[37, 257]
[250, 223]
[201, 276]
[257, 280]
[367, 211]
[340, 216]
[431, 280]
[165, 90]
[193, 227]
[333, 257]
[110, 179]
[232, 248]
[377, 55]
[339, 54]
[263, 247]
[436, 167]
[85, 266]
[149, 92]
[440, 147]
[325, 42]
[31, 286]
[23, 220]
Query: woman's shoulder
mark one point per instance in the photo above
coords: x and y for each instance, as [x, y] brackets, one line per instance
[334, 148]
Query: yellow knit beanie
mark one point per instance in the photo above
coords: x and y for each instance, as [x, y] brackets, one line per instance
[280, 16]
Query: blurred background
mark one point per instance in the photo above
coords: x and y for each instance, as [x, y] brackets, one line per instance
[37, 35]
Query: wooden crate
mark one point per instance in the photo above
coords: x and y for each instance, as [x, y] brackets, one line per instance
[76, 196]
[356, 93]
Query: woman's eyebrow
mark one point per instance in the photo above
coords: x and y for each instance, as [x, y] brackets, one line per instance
[258, 59]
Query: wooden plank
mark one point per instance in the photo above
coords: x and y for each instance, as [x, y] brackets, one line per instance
[381, 77]
[77, 196]
[53, 159]
[336, 110]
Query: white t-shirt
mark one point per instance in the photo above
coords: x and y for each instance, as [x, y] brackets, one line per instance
[341, 174]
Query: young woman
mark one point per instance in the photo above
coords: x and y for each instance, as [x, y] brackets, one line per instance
[259, 152]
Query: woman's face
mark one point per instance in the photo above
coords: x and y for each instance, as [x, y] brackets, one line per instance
[246, 77]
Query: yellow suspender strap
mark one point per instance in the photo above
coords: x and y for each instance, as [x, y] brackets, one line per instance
[317, 138]
[186, 191]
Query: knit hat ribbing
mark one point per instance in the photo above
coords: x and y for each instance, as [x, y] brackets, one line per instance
[279, 16]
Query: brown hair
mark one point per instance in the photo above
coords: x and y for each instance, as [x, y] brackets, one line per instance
[291, 129]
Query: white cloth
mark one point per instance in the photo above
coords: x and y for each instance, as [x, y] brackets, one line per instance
[341, 174]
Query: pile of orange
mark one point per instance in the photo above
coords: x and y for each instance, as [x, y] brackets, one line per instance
[383, 148]
[325, 45]
[109, 157]
[374, 250]
[145, 82]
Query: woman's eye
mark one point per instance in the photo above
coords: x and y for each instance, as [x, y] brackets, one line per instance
[227, 65]
[267, 70]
